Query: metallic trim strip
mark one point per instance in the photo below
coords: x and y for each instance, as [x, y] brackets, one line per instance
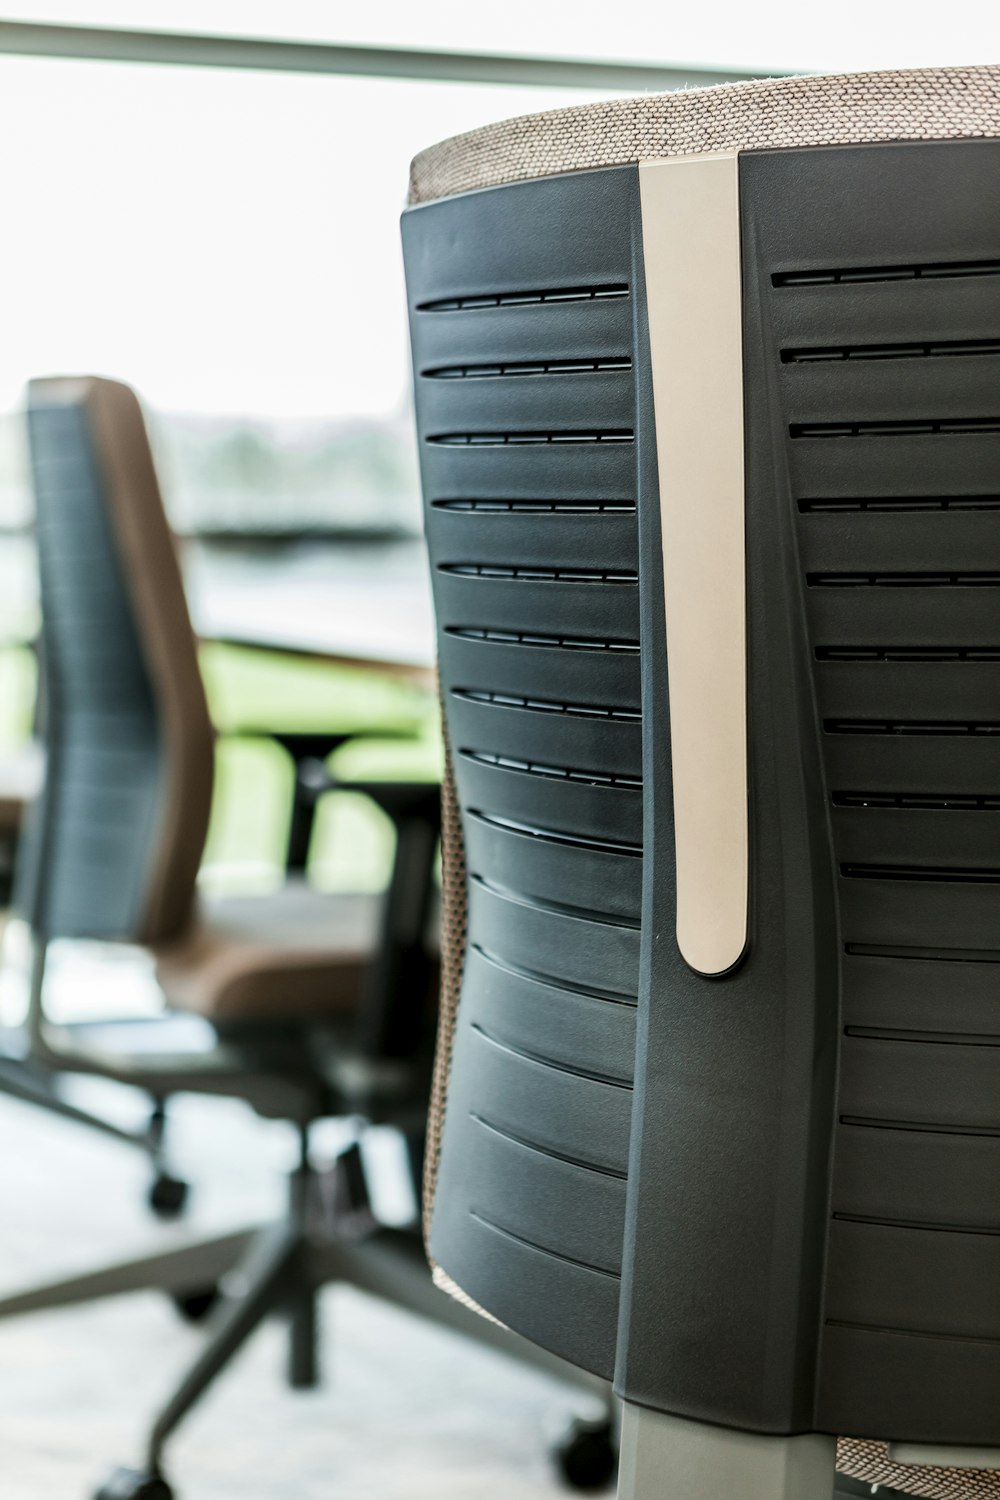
[227, 50]
[691, 244]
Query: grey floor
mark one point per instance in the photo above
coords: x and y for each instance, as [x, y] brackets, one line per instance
[407, 1411]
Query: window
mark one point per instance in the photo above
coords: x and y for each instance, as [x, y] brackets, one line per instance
[227, 242]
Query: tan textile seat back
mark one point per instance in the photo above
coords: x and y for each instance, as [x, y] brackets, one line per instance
[113, 844]
[709, 415]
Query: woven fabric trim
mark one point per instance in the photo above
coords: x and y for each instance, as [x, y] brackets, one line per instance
[870, 1462]
[454, 929]
[837, 110]
[454, 926]
[444, 1283]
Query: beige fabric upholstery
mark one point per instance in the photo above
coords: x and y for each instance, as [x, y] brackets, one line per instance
[870, 1462]
[454, 927]
[846, 109]
[292, 955]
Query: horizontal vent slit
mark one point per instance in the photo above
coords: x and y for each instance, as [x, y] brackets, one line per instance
[529, 439]
[814, 504]
[554, 773]
[914, 427]
[922, 1038]
[909, 653]
[519, 1239]
[926, 1227]
[919, 801]
[908, 954]
[902, 580]
[550, 642]
[918, 1127]
[953, 348]
[591, 1075]
[938, 874]
[556, 908]
[520, 1140]
[941, 271]
[538, 976]
[596, 366]
[552, 836]
[545, 706]
[911, 1333]
[540, 507]
[475, 301]
[525, 574]
[909, 726]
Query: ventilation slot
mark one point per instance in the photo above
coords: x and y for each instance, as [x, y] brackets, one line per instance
[596, 1075]
[556, 1255]
[924, 427]
[908, 653]
[860, 1123]
[560, 908]
[527, 367]
[554, 981]
[904, 503]
[909, 726]
[527, 299]
[518, 1140]
[902, 580]
[923, 955]
[955, 348]
[936, 1038]
[919, 801]
[939, 874]
[886, 273]
[550, 642]
[539, 507]
[550, 836]
[526, 439]
[553, 773]
[536, 575]
[544, 706]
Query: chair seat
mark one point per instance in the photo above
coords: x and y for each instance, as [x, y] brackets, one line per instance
[295, 954]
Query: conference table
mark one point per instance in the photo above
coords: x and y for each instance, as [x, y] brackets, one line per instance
[357, 603]
[361, 603]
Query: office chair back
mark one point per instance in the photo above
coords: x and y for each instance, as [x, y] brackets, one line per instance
[114, 842]
[715, 375]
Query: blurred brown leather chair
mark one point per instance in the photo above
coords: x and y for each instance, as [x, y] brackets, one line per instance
[316, 1005]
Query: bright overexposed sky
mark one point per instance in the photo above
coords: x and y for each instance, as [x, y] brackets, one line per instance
[783, 34]
[229, 241]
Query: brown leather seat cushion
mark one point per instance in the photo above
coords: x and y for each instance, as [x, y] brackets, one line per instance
[294, 954]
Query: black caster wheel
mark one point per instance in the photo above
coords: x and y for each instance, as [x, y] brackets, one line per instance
[168, 1196]
[587, 1456]
[195, 1306]
[135, 1484]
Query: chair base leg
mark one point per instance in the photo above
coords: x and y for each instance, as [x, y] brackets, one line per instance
[31, 1084]
[184, 1268]
[663, 1456]
[266, 1281]
[303, 1338]
[281, 1273]
[391, 1265]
